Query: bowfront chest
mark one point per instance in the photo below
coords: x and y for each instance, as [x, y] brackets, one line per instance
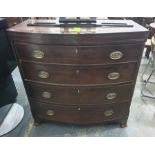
[79, 77]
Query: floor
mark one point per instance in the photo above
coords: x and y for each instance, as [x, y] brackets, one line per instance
[141, 120]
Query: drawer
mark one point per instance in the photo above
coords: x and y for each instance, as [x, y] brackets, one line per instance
[80, 95]
[79, 54]
[59, 74]
[60, 36]
[79, 114]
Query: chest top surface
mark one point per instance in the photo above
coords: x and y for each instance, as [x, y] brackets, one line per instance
[24, 28]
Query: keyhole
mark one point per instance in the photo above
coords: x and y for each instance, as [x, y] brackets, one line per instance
[78, 91]
[77, 71]
[76, 51]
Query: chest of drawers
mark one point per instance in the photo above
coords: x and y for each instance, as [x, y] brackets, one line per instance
[79, 77]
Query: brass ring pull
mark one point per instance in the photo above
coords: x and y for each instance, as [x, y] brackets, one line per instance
[46, 94]
[38, 54]
[116, 55]
[50, 112]
[111, 96]
[43, 74]
[113, 76]
[108, 113]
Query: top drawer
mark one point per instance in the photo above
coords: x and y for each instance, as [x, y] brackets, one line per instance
[79, 54]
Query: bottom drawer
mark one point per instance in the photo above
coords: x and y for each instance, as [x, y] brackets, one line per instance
[80, 114]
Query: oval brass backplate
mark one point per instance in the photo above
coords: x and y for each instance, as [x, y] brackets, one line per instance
[43, 74]
[50, 112]
[108, 113]
[38, 54]
[113, 76]
[116, 55]
[111, 96]
[46, 95]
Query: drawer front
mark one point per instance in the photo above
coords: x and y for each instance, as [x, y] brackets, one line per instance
[58, 74]
[97, 36]
[78, 54]
[80, 114]
[80, 95]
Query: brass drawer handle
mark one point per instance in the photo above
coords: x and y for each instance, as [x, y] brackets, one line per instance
[50, 112]
[38, 54]
[46, 94]
[116, 55]
[108, 113]
[111, 96]
[113, 76]
[43, 74]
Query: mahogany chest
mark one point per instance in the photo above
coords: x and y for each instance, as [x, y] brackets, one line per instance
[79, 77]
